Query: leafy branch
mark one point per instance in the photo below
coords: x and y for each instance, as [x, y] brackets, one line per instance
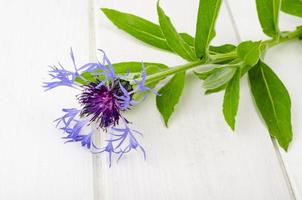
[229, 62]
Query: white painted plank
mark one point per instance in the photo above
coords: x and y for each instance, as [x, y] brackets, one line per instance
[34, 162]
[197, 157]
[286, 61]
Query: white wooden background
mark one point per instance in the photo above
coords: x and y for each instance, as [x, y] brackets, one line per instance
[197, 157]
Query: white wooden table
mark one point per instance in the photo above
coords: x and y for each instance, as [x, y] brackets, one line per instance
[197, 157]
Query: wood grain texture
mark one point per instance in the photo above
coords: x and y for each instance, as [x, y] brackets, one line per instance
[197, 157]
[34, 162]
[286, 61]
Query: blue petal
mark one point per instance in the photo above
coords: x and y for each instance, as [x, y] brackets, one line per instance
[68, 117]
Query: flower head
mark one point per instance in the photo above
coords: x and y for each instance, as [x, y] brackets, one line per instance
[103, 102]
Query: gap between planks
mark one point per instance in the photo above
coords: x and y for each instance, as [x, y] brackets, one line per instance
[97, 166]
[283, 168]
[274, 143]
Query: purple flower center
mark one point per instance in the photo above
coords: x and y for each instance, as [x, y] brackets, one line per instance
[103, 103]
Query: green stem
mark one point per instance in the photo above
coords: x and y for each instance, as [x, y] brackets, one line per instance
[173, 70]
[180, 68]
[287, 36]
[215, 59]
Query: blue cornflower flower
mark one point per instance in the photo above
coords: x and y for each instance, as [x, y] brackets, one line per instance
[103, 102]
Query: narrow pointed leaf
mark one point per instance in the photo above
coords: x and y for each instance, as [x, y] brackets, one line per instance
[231, 99]
[204, 75]
[273, 102]
[142, 29]
[170, 95]
[243, 70]
[268, 13]
[293, 7]
[174, 40]
[205, 27]
[188, 39]
[219, 78]
[249, 52]
[218, 89]
[226, 48]
[138, 27]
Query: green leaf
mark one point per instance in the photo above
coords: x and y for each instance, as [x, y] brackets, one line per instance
[273, 102]
[249, 52]
[226, 48]
[138, 27]
[231, 99]
[188, 39]
[243, 68]
[170, 95]
[219, 78]
[123, 68]
[299, 28]
[142, 29]
[206, 74]
[268, 13]
[174, 40]
[205, 27]
[86, 77]
[222, 49]
[293, 7]
[215, 90]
